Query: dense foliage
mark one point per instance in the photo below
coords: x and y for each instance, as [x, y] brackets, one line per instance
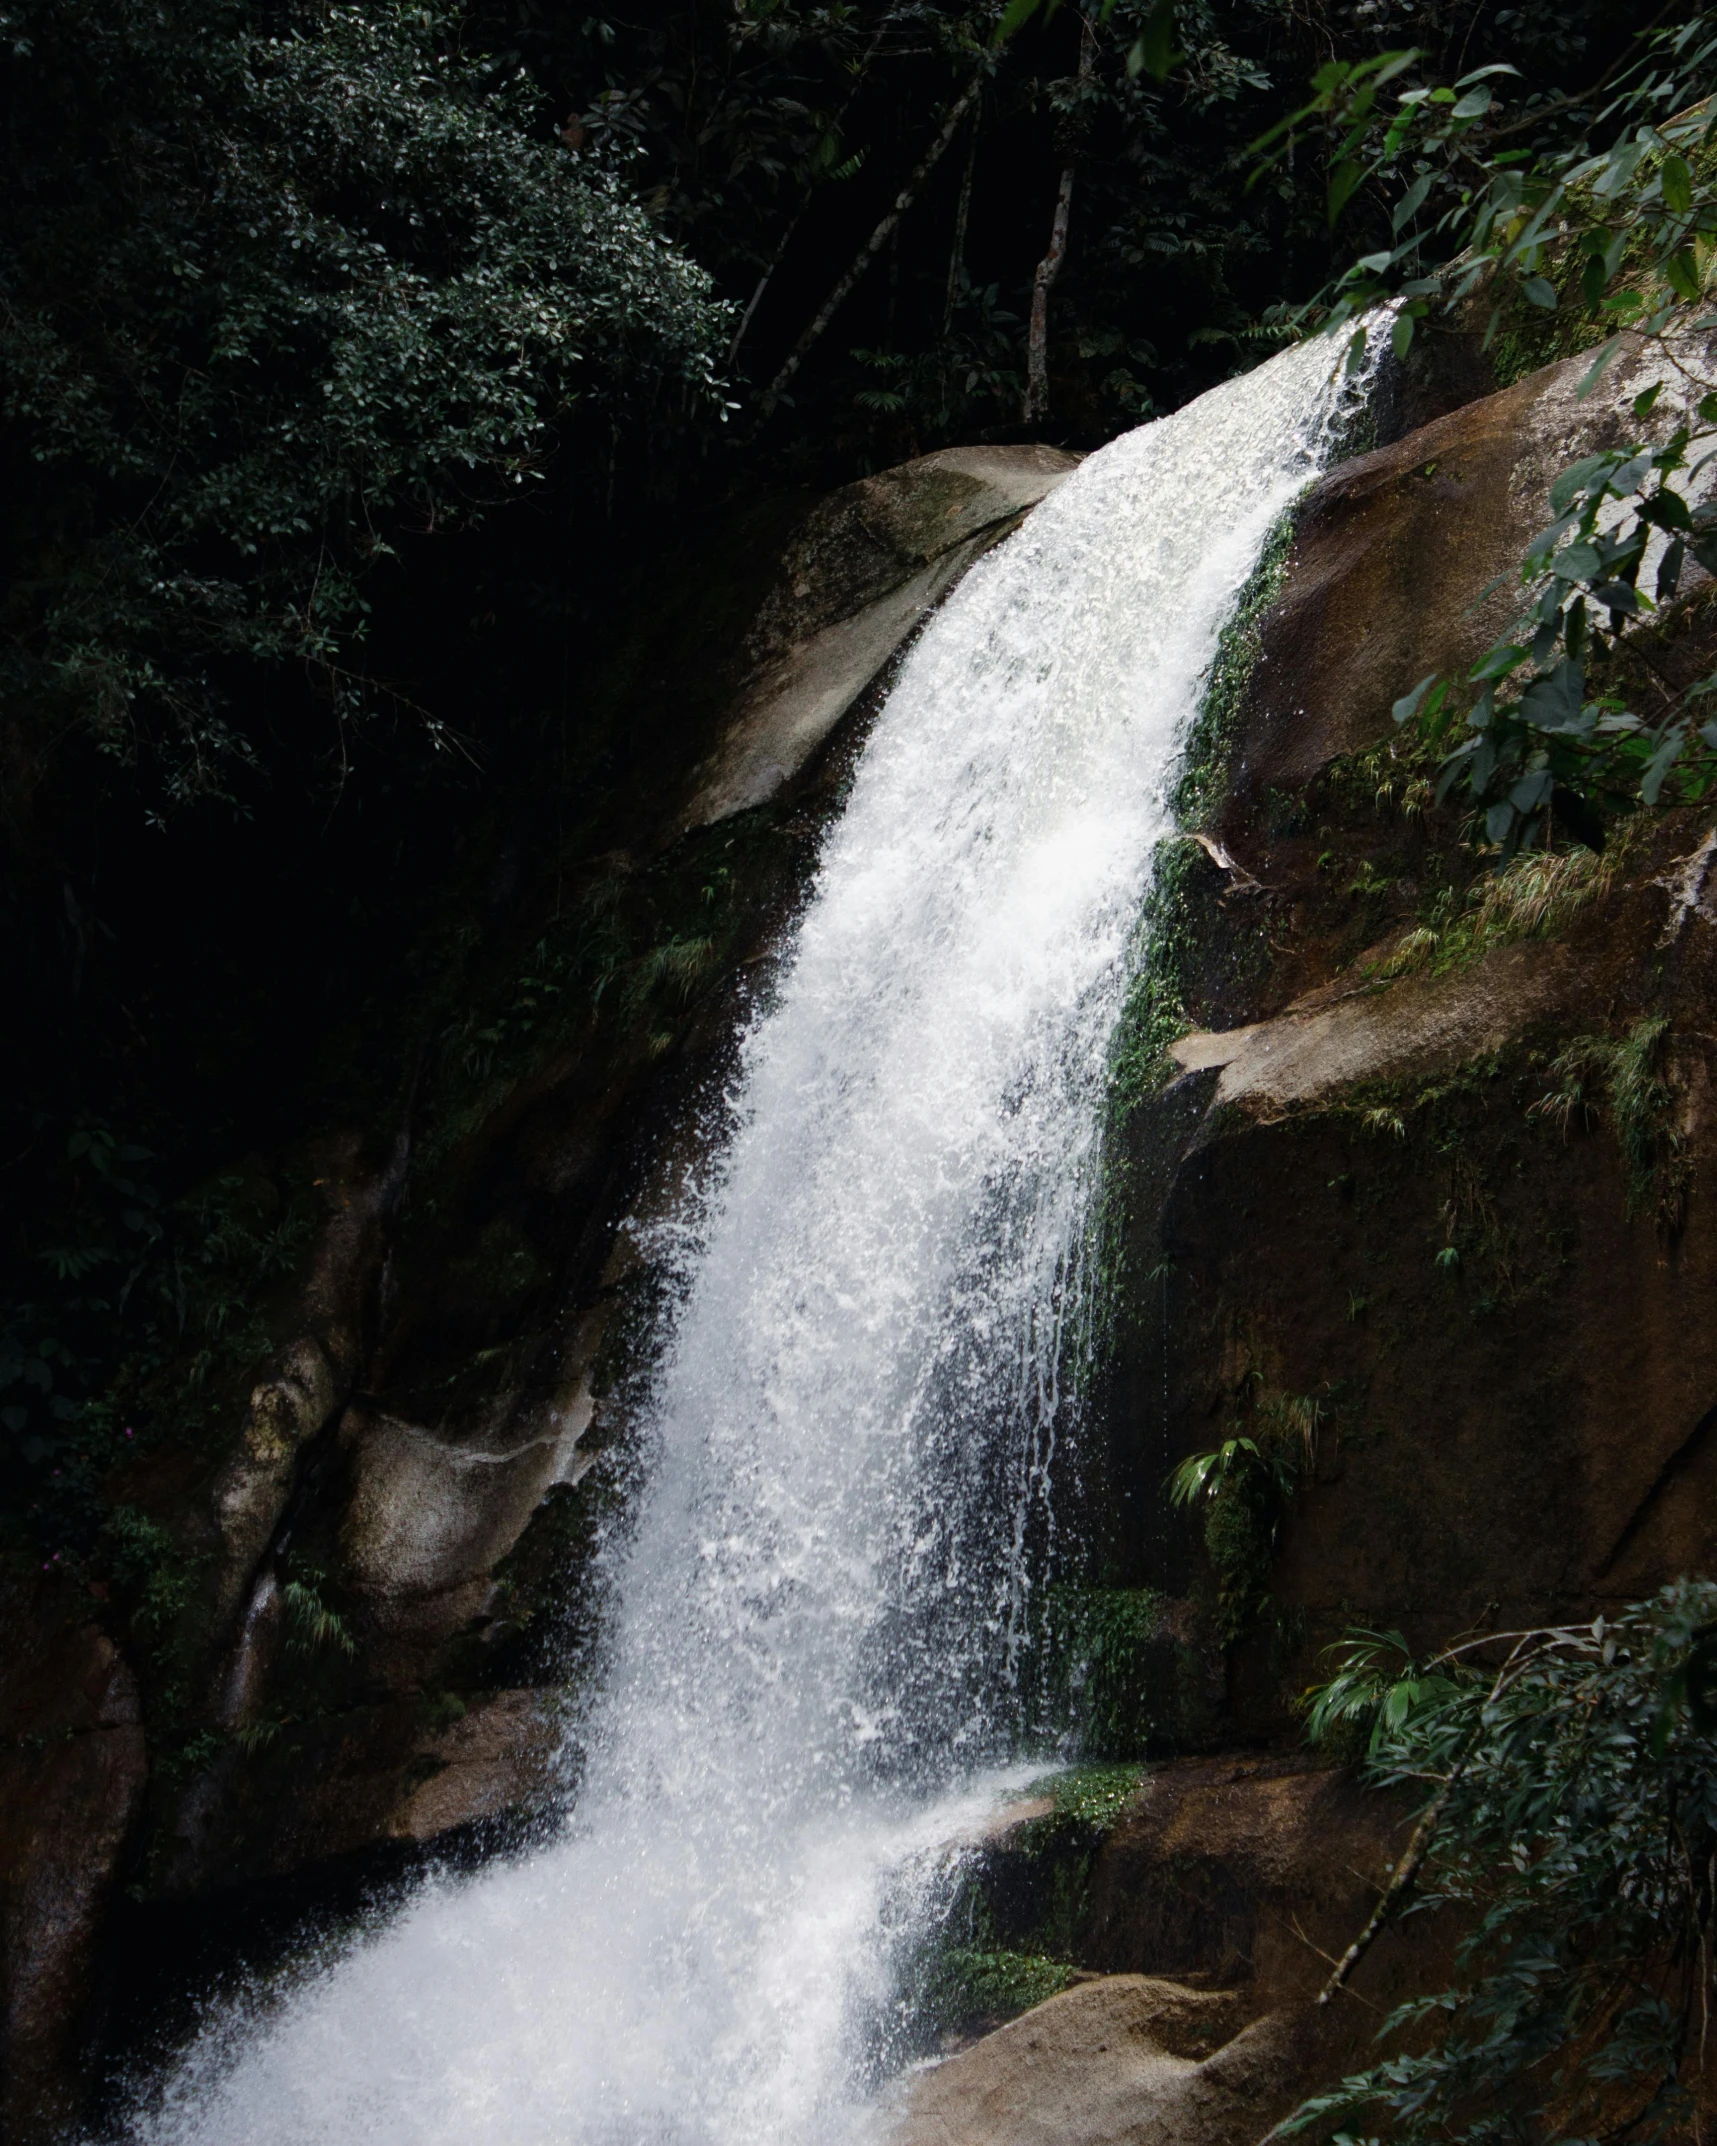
[352, 357]
[276, 282]
[774, 139]
[1604, 225]
[1567, 1780]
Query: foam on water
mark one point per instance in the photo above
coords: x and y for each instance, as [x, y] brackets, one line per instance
[823, 1609]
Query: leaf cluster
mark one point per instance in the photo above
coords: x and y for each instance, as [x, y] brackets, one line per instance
[1569, 1778]
[275, 286]
[1611, 217]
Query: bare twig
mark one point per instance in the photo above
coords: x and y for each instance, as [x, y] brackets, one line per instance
[878, 239]
[1424, 1833]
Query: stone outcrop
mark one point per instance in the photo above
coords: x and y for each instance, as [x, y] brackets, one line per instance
[860, 576]
[1206, 1924]
[1357, 1189]
[1374, 1182]
[72, 1772]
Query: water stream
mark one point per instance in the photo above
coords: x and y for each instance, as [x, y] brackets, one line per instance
[823, 1621]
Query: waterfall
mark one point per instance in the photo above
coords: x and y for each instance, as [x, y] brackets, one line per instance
[824, 1607]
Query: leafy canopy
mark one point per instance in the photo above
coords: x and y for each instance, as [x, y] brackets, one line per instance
[1610, 222]
[275, 283]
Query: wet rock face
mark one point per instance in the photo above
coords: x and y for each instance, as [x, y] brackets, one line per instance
[1376, 1191]
[861, 574]
[1394, 555]
[1204, 1930]
[1375, 1200]
[72, 1773]
[375, 1561]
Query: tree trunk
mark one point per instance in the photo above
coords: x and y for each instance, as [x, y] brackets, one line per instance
[957, 256]
[1037, 346]
[876, 242]
[1036, 402]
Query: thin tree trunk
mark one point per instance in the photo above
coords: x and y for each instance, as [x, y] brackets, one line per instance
[876, 242]
[1036, 403]
[775, 260]
[957, 257]
[1036, 400]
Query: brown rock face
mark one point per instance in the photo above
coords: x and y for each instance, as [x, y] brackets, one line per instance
[1210, 1912]
[1374, 1191]
[72, 1771]
[373, 1548]
[1393, 557]
[1359, 1194]
[862, 572]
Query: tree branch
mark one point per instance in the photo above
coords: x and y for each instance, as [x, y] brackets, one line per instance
[876, 242]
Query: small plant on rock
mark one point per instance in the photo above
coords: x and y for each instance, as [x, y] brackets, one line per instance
[1243, 1487]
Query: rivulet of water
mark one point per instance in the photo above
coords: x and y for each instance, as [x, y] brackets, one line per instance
[824, 1604]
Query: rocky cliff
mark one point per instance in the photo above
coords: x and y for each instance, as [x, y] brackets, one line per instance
[1407, 1165]
[348, 1547]
[1410, 1183]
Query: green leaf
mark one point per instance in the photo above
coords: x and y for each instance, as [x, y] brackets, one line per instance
[1155, 46]
[1015, 16]
[1594, 281]
[1657, 769]
[1677, 180]
[1347, 176]
[1575, 479]
[1539, 291]
[1401, 334]
[1554, 703]
[1577, 562]
[1598, 367]
[1682, 269]
[1411, 202]
[1407, 707]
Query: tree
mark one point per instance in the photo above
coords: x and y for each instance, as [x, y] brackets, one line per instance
[1567, 1788]
[276, 283]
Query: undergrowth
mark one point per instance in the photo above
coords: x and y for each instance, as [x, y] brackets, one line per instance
[1535, 897]
[1244, 1488]
[1624, 1078]
[1566, 1785]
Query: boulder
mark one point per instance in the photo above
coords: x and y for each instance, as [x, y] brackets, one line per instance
[1211, 1913]
[72, 1772]
[864, 570]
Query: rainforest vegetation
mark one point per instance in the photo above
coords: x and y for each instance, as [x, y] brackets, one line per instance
[354, 357]
[358, 360]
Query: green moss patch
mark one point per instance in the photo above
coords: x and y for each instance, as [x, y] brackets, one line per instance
[1209, 750]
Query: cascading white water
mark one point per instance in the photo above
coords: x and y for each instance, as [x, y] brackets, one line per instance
[822, 1608]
